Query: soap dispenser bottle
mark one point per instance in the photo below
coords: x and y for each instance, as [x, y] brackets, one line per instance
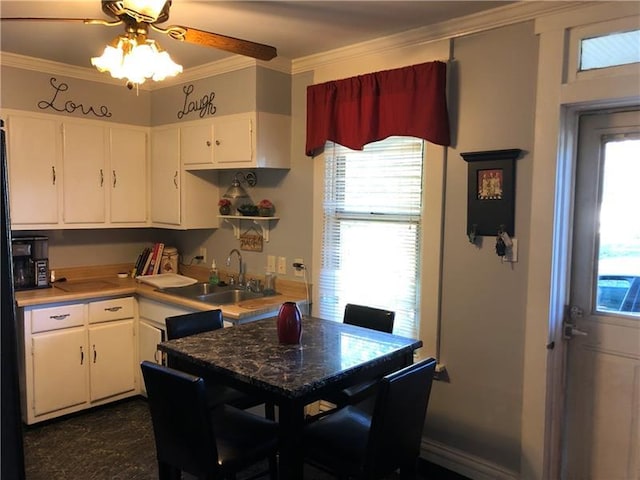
[214, 279]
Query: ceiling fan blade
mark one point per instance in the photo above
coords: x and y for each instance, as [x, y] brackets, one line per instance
[229, 44]
[93, 21]
[39, 19]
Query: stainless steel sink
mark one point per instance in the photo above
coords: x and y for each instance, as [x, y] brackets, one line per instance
[215, 295]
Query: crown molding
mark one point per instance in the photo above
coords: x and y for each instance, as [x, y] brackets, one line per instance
[457, 27]
[230, 64]
[56, 68]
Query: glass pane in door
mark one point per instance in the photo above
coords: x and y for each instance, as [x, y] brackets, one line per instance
[618, 288]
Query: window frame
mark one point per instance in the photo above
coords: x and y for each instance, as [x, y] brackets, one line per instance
[577, 34]
[433, 171]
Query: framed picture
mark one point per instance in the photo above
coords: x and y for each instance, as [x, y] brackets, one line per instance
[491, 192]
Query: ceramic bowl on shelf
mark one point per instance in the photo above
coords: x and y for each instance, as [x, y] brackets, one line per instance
[248, 210]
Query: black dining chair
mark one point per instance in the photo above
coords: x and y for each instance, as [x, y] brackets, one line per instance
[193, 438]
[350, 443]
[179, 326]
[367, 317]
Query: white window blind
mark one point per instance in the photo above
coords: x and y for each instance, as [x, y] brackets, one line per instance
[371, 230]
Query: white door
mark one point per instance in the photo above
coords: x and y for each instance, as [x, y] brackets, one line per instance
[111, 352]
[148, 339]
[165, 176]
[59, 370]
[128, 176]
[196, 145]
[603, 366]
[234, 141]
[85, 174]
[34, 152]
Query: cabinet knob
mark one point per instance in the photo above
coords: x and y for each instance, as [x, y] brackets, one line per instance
[208, 143]
[217, 142]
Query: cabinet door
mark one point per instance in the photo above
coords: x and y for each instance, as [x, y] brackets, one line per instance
[165, 176]
[233, 144]
[111, 352]
[196, 144]
[59, 369]
[85, 174]
[149, 337]
[128, 176]
[34, 154]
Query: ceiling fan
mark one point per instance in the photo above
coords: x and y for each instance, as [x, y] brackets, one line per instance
[138, 17]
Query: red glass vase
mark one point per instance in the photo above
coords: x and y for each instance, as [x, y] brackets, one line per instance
[289, 323]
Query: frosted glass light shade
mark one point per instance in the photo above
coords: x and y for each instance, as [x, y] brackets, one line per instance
[126, 58]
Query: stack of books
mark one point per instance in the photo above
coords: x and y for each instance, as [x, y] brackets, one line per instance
[148, 262]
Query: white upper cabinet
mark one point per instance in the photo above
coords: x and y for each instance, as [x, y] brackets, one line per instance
[179, 199]
[245, 140]
[105, 173]
[85, 172]
[128, 180]
[76, 173]
[34, 151]
[165, 176]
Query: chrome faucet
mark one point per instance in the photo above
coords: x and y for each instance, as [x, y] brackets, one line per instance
[240, 268]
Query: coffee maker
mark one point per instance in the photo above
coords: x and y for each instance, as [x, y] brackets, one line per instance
[30, 262]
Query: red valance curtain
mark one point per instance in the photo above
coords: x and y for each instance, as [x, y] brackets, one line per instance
[409, 101]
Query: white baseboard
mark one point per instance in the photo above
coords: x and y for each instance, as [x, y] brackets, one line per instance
[460, 462]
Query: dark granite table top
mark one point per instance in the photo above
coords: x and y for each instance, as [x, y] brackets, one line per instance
[329, 354]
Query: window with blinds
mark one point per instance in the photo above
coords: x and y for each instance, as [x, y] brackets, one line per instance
[371, 230]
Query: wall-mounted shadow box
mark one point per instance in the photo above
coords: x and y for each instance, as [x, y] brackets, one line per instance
[491, 192]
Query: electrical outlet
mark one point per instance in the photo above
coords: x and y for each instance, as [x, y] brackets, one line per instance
[203, 254]
[282, 265]
[271, 264]
[298, 272]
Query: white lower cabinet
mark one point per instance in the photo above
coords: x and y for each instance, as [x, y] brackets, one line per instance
[75, 356]
[60, 376]
[152, 330]
[112, 355]
[149, 336]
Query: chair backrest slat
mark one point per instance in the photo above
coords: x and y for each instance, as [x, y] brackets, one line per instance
[182, 428]
[398, 418]
[369, 317]
[180, 326]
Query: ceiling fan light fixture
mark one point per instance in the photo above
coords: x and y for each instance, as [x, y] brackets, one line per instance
[143, 10]
[136, 58]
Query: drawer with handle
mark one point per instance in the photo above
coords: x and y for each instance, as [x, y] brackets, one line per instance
[54, 318]
[113, 309]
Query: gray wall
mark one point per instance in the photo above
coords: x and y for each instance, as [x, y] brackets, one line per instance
[483, 301]
[36, 92]
[246, 90]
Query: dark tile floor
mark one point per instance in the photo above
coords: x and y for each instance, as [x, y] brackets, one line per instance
[115, 442]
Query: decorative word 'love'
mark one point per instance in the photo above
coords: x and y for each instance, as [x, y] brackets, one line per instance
[70, 106]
